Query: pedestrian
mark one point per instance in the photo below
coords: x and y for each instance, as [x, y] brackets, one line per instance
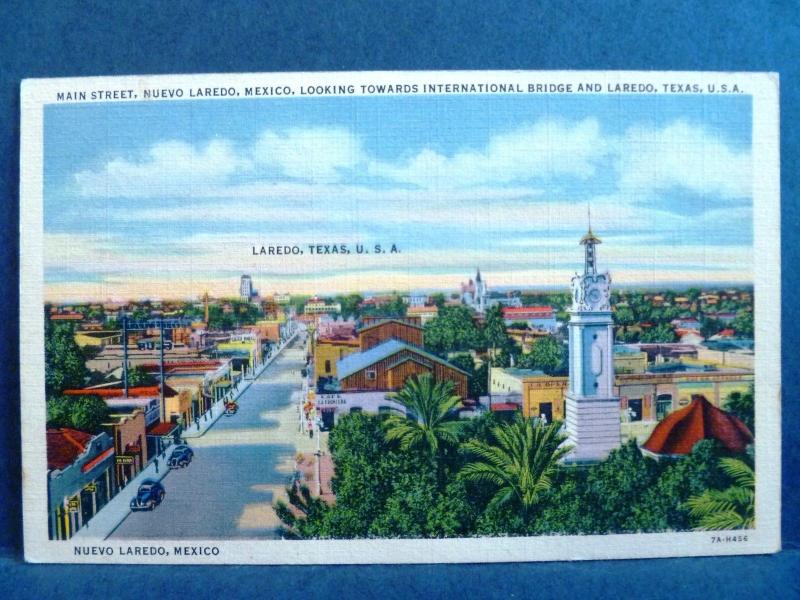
[156, 462]
[198, 424]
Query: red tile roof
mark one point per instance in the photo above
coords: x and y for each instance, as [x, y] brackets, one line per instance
[524, 310]
[144, 391]
[501, 406]
[681, 430]
[161, 428]
[97, 460]
[64, 446]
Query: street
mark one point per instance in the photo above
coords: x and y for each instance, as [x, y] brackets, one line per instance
[239, 466]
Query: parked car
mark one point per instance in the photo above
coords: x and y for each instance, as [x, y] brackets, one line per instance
[150, 494]
[181, 456]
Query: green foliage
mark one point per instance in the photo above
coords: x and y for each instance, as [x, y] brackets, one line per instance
[85, 413]
[453, 330]
[548, 355]
[743, 324]
[241, 313]
[138, 376]
[741, 405]
[494, 328]
[306, 511]
[624, 316]
[477, 383]
[64, 362]
[438, 299]
[350, 305]
[616, 486]
[433, 418]
[731, 508]
[520, 464]
[658, 335]
[709, 327]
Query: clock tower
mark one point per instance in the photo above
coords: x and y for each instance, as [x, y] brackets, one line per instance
[593, 414]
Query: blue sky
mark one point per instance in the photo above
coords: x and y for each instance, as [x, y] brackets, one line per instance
[166, 199]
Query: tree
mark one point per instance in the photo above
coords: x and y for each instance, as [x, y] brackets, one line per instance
[84, 413]
[731, 508]
[659, 334]
[547, 355]
[521, 464]
[350, 305]
[438, 299]
[137, 376]
[741, 405]
[433, 406]
[623, 316]
[453, 330]
[303, 518]
[64, 362]
[615, 488]
[709, 327]
[494, 329]
[743, 324]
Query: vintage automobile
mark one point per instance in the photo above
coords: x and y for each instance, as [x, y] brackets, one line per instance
[231, 408]
[181, 456]
[150, 494]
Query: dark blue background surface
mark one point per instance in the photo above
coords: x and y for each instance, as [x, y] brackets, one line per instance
[62, 39]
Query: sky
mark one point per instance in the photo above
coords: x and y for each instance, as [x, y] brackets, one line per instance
[167, 199]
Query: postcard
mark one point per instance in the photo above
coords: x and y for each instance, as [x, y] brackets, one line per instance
[400, 317]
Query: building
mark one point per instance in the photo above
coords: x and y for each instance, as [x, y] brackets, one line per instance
[541, 318]
[416, 299]
[327, 352]
[336, 327]
[729, 353]
[386, 367]
[677, 434]
[592, 409]
[97, 339]
[378, 332]
[475, 294]
[425, 313]
[246, 288]
[80, 478]
[129, 432]
[629, 359]
[317, 306]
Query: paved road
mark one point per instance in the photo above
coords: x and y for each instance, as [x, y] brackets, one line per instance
[239, 465]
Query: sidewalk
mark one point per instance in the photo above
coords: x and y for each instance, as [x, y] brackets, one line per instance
[117, 510]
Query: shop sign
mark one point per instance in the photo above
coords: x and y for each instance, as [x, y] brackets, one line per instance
[73, 505]
[90, 487]
[124, 459]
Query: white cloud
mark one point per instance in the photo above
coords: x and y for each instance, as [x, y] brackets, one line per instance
[169, 168]
[684, 155]
[316, 154]
[541, 150]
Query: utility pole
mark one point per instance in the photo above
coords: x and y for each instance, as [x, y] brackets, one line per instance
[124, 355]
[161, 369]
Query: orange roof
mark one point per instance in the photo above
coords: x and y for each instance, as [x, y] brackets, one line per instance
[340, 340]
[115, 392]
[681, 430]
[519, 310]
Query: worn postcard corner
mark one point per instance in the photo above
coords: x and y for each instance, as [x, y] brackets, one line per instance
[400, 317]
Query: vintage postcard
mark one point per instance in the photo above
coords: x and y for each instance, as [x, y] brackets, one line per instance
[400, 317]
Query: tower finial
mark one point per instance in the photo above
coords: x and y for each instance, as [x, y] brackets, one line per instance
[589, 214]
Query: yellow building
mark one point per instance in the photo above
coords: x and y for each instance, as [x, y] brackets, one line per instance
[628, 360]
[249, 343]
[97, 339]
[329, 350]
[645, 398]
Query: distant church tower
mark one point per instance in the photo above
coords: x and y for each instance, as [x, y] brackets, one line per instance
[481, 293]
[593, 414]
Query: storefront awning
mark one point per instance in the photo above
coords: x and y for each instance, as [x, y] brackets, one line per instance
[161, 429]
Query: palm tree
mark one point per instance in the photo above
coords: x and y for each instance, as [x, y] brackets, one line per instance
[522, 462]
[433, 404]
[732, 508]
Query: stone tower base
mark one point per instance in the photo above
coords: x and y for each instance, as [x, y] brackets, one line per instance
[593, 426]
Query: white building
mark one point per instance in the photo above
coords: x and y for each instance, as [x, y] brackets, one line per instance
[593, 418]
[475, 294]
[246, 288]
